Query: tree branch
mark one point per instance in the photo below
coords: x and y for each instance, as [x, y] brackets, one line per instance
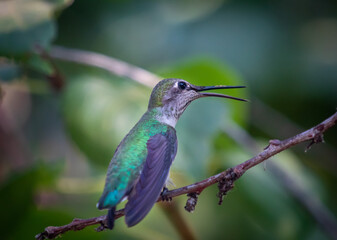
[56, 79]
[113, 65]
[224, 179]
[312, 204]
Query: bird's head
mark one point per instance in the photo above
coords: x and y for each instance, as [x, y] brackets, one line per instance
[174, 95]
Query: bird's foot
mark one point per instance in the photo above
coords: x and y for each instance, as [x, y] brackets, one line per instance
[110, 218]
[163, 195]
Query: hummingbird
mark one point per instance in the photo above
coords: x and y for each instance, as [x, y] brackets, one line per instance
[140, 166]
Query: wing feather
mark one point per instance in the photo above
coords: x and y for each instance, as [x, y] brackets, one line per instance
[162, 149]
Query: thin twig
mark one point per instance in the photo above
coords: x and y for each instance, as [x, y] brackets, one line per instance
[313, 205]
[56, 79]
[113, 65]
[173, 213]
[280, 125]
[227, 177]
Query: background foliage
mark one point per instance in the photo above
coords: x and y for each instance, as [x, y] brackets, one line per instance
[60, 122]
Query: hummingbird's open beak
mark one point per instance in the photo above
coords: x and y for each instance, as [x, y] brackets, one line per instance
[209, 94]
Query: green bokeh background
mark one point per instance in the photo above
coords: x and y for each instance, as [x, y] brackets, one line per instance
[56, 140]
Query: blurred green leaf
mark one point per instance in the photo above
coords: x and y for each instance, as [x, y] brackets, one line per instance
[36, 220]
[209, 71]
[40, 65]
[9, 71]
[18, 192]
[23, 24]
[205, 117]
[99, 112]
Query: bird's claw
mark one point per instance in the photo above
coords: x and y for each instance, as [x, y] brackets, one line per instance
[163, 195]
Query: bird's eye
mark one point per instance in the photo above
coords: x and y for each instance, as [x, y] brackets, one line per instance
[182, 85]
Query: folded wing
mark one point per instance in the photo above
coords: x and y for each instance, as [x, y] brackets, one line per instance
[162, 149]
